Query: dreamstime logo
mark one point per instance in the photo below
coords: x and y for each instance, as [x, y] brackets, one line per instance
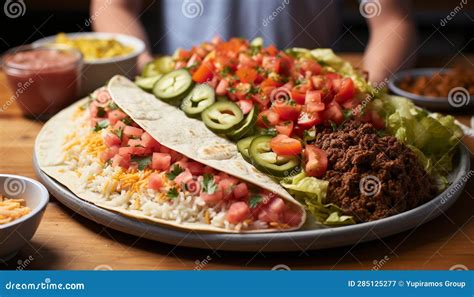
[370, 185]
[97, 13]
[458, 267]
[378, 264]
[192, 8]
[281, 267]
[192, 186]
[23, 264]
[22, 87]
[14, 8]
[103, 267]
[370, 8]
[453, 13]
[267, 20]
[458, 97]
[14, 187]
[457, 187]
[200, 264]
[280, 95]
[370, 96]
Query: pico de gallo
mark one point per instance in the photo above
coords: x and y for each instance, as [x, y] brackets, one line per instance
[268, 100]
[128, 146]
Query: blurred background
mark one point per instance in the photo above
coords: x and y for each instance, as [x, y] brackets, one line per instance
[48, 17]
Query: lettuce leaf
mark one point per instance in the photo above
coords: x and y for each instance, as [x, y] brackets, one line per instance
[312, 193]
[433, 137]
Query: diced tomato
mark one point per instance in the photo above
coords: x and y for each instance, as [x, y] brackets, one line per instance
[183, 54]
[311, 66]
[121, 160]
[298, 96]
[119, 125]
[149, 142]
[112, 139]
[292, 217]
[334, 113]
[241, 191]
[286, 110]
[132, 131]
[245, 105]
[377, 121]
[109, 153]
[267, 119]
[184, 177]
[238, 212]
[161, 161]
[115, 115]
[214, 197]
[269, 83]
[285, 127]
[222, 86]
[196, 168]
[226, 185]
[276, 205]
[315, 161]
[307, 120]
[203, 73]
[271, 64]
[246, 74]
[285, 146]
[134, 142]
[346, 90]
[209, 170]
[313, 97]
[271, 50]
[351, 103]
[267, 216]
[129, 150]
[315, 107]
[155, 181]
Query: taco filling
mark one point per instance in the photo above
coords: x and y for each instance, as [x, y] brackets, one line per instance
[129, 169]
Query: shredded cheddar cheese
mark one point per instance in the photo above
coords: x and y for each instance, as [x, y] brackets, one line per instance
[12, 209]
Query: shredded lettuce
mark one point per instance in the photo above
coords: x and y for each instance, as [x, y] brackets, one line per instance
[433, 137]
[312, 193]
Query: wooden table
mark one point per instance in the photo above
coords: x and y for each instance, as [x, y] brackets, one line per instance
[65, 240]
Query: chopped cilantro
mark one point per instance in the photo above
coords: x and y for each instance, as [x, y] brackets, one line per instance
[100, 112]
[270, 132]
[347, 113]
[101, 125]
[232, 90]
[118, 132]
[172, 193]
[208, 184]
[226, 70]
[113, 105]
[254, 200]
[127, 120]
[333, 126]
[254, 90]
[143, 162]
[174, 172]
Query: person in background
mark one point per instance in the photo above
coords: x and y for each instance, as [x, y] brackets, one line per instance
[285, 23]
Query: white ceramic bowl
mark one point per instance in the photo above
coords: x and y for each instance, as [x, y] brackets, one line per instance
[97, 73]
[16, 234]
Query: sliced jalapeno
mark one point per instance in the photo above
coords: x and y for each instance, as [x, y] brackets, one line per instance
[159, 66]
[221, 117]
[201, 97]
[147, 83]
[246, 126]
[173, 86]
[243, 147]
[269, 162]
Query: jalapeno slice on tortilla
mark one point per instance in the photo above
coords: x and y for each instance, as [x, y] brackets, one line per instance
[268, 161]
[201, 97]
[246, 126]
[221, 117]
[243, 147]
[173, 86]
[147, 83]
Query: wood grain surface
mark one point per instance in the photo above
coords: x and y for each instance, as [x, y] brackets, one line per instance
[65, 240]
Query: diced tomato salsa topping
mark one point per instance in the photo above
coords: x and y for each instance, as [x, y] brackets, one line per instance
[293, 93]
[131, 148]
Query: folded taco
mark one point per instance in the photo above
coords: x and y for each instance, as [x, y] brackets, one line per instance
[109, 150]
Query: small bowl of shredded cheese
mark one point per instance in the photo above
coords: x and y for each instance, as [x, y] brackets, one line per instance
[22, 204]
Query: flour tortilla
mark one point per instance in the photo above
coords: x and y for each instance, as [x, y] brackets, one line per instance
[156, 118]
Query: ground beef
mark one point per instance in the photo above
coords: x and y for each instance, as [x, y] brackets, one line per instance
[372, 177]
